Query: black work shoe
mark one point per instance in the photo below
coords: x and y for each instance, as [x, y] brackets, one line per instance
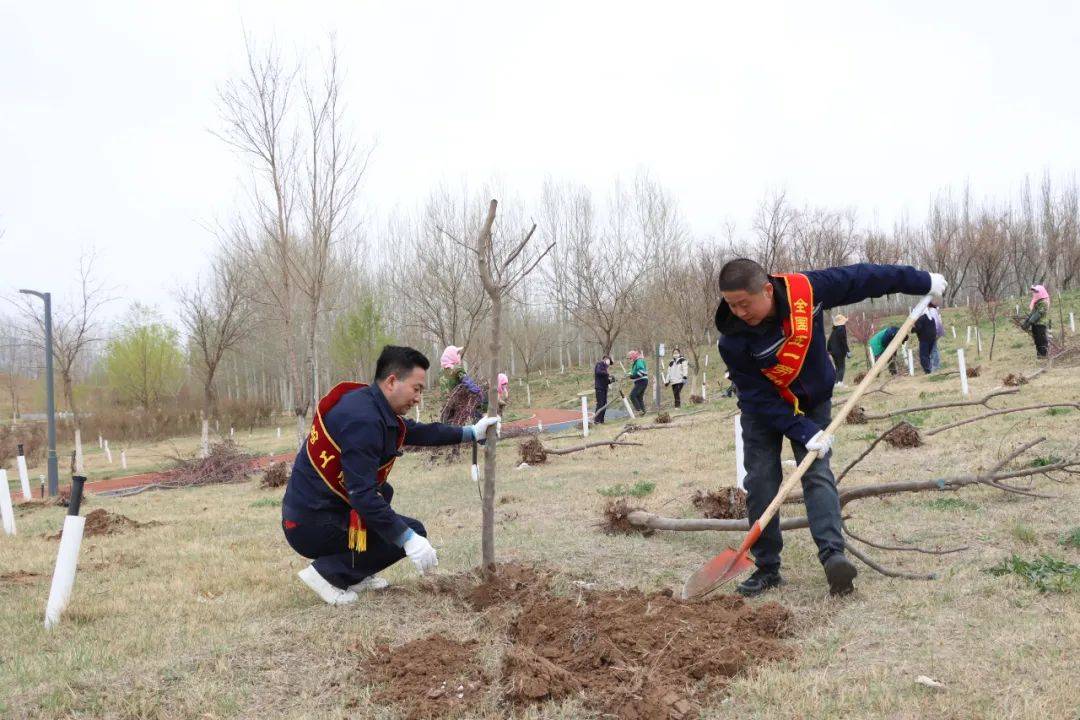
[759, 582]
[840, 571]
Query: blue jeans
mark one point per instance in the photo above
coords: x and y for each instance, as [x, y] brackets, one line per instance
[764, 473]
[935, 357]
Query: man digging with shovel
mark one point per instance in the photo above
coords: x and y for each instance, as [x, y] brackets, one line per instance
[773, 342]
[338, 491]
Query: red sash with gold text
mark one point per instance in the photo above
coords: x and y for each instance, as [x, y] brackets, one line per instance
[325, 456]
[798, 329]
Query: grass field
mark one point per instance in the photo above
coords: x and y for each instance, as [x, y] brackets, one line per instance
[201, 615]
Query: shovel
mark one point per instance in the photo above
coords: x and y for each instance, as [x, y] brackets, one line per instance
[731, 563]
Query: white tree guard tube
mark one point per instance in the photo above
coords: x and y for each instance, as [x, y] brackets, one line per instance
[584, 416]
[24, 477]
[67, 559]
[963, 371]
[740, 460]
[7, 512]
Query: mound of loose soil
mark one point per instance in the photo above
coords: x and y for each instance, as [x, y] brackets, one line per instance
[532, 451]
[859, 378]
[664, 418]
[1014, 380]
[513, 582]
[974, 371]
[697, 399]
[631, 655]
[433, 677]
[623, 653]
[729, 502]
[103, 522]
[904, 435]
[857, 416]
[615, 519]
[277, 475]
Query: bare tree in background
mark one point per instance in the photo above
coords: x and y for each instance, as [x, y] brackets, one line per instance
[75, 326]
[946, 246]
[692, 293]
[774, 225]
[306, 175]
[989, 269]
[442, 293]
[503, 265]
[823, 238]
[329, 184]
[530, 337]
[604, 270]
[217, 315]
[256, 110]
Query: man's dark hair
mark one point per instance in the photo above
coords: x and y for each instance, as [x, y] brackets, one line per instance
[399, 361]
[742, 274]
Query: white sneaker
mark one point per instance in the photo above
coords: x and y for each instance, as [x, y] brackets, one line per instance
[371, 582]
[330, 594]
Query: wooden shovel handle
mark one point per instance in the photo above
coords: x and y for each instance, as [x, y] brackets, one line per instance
[838, 420]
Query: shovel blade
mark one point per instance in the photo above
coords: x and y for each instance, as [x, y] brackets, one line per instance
[723, 568]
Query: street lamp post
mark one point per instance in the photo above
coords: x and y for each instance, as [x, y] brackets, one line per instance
[54, 473]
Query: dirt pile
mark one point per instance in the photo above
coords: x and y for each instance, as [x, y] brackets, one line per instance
[433, 677]
[277, 475]
[103, 522]
[532, 451]
[1014, 380]
[904, 435]
[859, 378]
[857, 416]
[974, 371]
[623, 653]
[631, 655]
[615, 519]
[729, 502]
[697, 399]
[664, 418]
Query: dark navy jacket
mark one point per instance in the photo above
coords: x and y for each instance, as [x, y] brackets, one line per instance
[601, 376]
[366, 429]
[747, 350]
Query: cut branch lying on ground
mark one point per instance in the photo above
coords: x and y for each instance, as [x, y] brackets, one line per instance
[938, 406]
[984, 416]
[865, 452]
[991, 478]
[586, 446]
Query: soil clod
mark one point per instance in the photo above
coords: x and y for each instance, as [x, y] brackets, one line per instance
[904, 435]
[728, 502]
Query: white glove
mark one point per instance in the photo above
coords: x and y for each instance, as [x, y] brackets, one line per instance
[481, 427]
[820, 443]
[938, 283]
[419, 550]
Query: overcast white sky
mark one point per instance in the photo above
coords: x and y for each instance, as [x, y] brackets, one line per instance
[105, 109]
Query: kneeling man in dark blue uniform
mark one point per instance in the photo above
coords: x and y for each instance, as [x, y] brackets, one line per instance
[337, 509]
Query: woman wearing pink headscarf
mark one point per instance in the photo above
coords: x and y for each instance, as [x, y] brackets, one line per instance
[459, 405]
[504, 391]
[1038, 319]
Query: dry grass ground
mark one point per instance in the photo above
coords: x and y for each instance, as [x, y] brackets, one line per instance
[202, 616]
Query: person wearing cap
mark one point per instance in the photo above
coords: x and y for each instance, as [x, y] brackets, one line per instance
[336, 510]
[1038, 319]
[772, 341]
[838, 346]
